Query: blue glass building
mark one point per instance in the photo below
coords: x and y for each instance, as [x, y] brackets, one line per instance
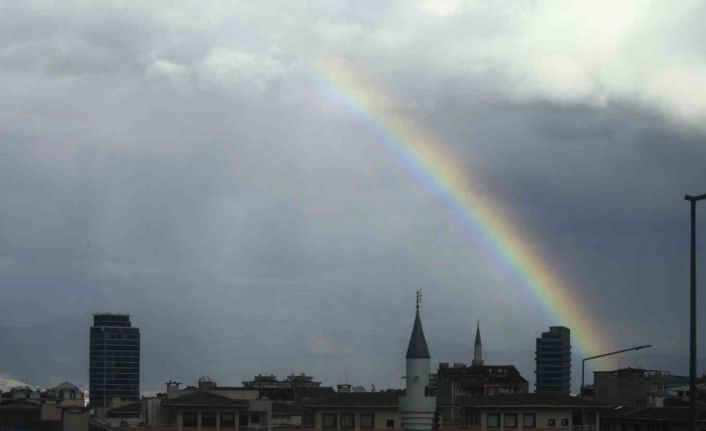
[114, 365]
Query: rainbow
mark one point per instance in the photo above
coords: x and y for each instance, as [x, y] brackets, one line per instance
[424, 156]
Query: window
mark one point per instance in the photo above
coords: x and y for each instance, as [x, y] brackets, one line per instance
[208, 419]
[228, 419]
[390, 423]
[329, 420]
[254, 418]
[565, 422]
[243, 420]
[510, 420]
[475, 419]
[492, 420]
[347, 420]
[189, 419]
[551, 422]
[367, 420]
[528, 420]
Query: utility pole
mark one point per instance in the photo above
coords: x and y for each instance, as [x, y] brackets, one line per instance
[692, 326]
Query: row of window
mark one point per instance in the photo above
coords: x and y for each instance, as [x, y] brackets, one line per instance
[347, 420]
[115, 374]
[119, 382]
[113, 345]
[529, 420]
[208, 419]
[100, 357]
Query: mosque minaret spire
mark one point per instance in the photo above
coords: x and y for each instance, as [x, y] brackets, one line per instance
[417, 408]
[477, 348]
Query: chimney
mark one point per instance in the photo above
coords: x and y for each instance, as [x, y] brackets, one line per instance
[172, 389]
[206, 384]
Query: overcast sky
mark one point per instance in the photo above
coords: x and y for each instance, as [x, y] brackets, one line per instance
[184, 162]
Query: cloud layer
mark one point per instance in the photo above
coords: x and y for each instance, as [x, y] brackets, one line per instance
[186, 164]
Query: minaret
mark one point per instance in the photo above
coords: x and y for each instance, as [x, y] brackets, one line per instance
[477, 348]
[416, 406]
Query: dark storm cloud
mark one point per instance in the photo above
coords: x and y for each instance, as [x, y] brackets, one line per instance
[186, 165]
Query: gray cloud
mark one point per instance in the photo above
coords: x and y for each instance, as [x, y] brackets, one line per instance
[186, 165]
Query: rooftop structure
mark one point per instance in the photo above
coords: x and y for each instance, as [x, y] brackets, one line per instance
[636, 386]
[293, 380]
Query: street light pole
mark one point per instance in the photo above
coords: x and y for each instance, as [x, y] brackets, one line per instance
[692, 325]
[583, 374]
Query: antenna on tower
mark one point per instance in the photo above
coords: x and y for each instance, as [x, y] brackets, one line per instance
[419, 298]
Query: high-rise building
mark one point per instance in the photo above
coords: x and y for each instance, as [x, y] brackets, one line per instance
[114, 365]
[553, 360]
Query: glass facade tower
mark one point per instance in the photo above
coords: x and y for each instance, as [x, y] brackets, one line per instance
[553, 360]
[114, 364]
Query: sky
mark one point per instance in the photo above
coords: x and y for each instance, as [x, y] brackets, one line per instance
[196, 164]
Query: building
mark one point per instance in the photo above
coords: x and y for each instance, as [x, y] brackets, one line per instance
[125, 415]
[114, 363]
[457, 382]
[55, 400]
[553, 361]
[356, 411]
[207, 406]
[289, 404]
[636, 386]
[285, 415]
[417, 405]
[21, 408]
[538, 412]
[59, 408]
[65, 391]
[642, 418]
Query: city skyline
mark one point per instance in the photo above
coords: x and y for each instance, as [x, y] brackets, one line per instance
[526, 365]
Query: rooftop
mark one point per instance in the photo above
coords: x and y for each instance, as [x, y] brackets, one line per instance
[132, 409]
[417, 348]
[531, 400]
[204, 399]
[361, 399]
[296, 394]
[498, 374]
[672, 414]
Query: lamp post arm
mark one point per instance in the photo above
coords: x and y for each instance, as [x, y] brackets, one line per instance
[695, 198]
[616, 352]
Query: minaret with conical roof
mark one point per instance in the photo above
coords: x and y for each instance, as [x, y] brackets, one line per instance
[416, 406]
[478, 348]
